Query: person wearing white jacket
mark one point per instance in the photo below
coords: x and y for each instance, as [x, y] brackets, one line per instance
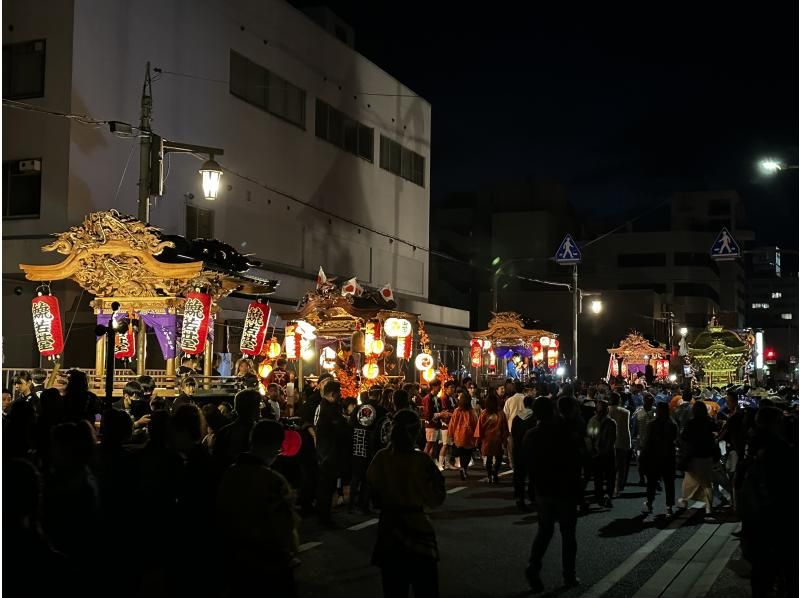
[513, 406]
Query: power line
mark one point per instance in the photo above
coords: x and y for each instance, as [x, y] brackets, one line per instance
[81, 118]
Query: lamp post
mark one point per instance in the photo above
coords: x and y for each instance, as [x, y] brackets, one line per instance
[152, 149]
[577, 296]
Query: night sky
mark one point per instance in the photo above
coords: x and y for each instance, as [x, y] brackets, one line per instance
[622, 105]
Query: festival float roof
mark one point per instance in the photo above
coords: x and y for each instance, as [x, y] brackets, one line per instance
[335, 315]
[506, 329]
[721, 352]
[634, 348]
[119, 258]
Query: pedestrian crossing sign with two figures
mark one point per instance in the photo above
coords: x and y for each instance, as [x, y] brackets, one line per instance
[568, 252]
[725, 247]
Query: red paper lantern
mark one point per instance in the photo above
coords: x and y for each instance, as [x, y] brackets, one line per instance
[196, 319]
[255, 328]
[475, 354]
[404, 346]
[125, 344]
[47, 325]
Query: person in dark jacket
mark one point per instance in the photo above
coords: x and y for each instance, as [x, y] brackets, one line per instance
[234, 439]
[404, 482]
[601, 432]
[522, 422]
[553, 454]
[308, 454]
[257, 521]
[569, 409]
[700, 449]
[658, 457]
[366, 421]
[333, 435]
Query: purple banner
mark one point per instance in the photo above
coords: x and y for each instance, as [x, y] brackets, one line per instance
[164, 326]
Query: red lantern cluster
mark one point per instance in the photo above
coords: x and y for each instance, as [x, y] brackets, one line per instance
[196, 319]
[255, 329]
[47, 325]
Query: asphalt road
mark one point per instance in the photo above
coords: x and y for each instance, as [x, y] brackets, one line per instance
[485, 541]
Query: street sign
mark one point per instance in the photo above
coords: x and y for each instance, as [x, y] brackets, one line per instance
[725, 247]
[568, 252]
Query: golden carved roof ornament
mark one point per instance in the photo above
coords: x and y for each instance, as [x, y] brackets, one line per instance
[506, 329]
[112, 255]
[635, 347]
[719, 350]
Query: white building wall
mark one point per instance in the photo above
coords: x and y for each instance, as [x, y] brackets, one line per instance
[96, 55]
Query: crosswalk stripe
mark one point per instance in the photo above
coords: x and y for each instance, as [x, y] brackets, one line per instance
[703, 584]
[456, 489]
[605, 584]
[308, 546]
[362, 525]
[509, 472]
[655, 586]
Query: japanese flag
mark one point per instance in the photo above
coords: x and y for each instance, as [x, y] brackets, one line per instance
[386, 293]
[321, 278]
[351, 287]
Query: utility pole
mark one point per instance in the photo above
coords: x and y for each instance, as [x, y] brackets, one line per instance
[144, 148]
[576, 301]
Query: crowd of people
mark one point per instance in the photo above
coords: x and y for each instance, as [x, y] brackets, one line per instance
[150, 485]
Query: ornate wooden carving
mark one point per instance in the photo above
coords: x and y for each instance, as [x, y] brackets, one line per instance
[506, 328]
[634, 347]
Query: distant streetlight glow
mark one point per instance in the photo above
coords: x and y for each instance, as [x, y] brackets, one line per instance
[496, 261]
[597, 306]
[673, 377]
[684, 331]
[770, 166]
[560, 371]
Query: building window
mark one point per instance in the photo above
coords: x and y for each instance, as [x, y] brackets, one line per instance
[641, 260]
[22, 188]
[344, 132]
[257, 86]
[777, 295]
[696, 289]
[23, 70]
[760, 306]
[786, 316]
[199, 223]
[402, 162]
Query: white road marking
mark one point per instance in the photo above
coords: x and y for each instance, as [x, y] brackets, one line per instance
[362, 525]
[308, 546]
[509, 472]
[605, 584]
[702, 586]
[456, 489]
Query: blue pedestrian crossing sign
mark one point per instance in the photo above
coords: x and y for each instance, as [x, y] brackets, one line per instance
[568, 252]
[725, 246]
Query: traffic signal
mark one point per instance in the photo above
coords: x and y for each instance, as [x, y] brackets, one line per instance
[769, 354]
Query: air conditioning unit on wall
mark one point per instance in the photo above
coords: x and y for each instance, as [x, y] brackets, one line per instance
[30, 166]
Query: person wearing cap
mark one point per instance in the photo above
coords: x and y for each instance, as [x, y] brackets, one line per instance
[256, 518]
[553, 455]
[404, 483]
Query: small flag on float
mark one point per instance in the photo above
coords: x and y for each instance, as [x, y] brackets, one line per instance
[386, 293]
[321, 278]
[351, 287]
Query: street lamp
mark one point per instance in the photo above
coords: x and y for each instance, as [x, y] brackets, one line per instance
[684, 331]
[596, 306]
[771, 166]
[211, 173]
